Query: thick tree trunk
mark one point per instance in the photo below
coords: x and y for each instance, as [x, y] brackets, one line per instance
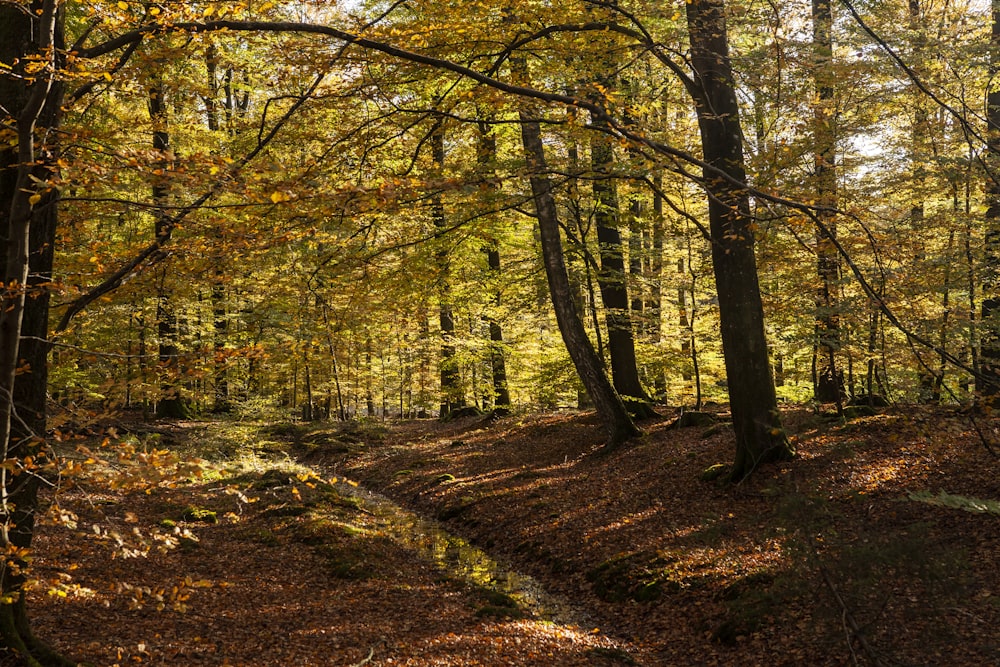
[28, 216]
[988, 382]
[759, 436]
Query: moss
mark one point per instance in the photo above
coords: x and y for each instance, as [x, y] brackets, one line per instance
[444, 479]
[714, 472]
[457, 508]
[349, 561]
[272, 478]
[499, 599]
[188, 543]
[266, 538]
[199, 515]
[640, 576]
[858, 411]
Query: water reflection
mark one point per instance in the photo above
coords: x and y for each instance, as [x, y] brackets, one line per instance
[459, 558]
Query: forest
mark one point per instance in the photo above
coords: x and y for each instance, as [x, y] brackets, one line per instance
[586, 263]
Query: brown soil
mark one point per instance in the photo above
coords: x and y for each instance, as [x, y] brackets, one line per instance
[827, 560]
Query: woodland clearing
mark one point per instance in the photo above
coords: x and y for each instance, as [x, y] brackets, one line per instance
[876, 546]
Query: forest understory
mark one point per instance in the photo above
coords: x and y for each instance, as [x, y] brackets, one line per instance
[876, 546]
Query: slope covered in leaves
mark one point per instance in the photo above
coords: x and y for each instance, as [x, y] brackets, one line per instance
[848, 555]
[877, 546]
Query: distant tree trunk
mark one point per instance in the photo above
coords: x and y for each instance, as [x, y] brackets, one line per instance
[369, 394]
[171, 403]
[487, 155]
[30, 106]
[610, 408]
[452, 396]
[829, 387]
[939, 375]
[655, 279]
[309, 407]
[757, 424]
[988, 382]
[919, 131]
[220, 322]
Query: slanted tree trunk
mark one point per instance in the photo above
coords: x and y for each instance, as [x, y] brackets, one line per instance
[610, 408]
[30, 105]
[757, 424]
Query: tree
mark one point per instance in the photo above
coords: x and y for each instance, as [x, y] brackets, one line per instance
[486, 156]
[759, 435]
[171, 403]
[31, 97]
[452, 394]
[829, 383]
[610, 408]
[989, 384]
[612, 280]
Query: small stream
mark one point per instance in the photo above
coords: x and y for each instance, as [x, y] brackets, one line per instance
[459, 558]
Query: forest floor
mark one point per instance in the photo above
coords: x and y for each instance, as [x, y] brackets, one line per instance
[878, 545]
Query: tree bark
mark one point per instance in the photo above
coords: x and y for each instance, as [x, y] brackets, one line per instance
[29, 213]
[759, 436]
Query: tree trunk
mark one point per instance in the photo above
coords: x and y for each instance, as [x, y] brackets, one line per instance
[988, 382]
[29, 215]
[220, 321]
[829, 387]
[655, 278]
[610, 408]
[171, 403]
[451, 380]
[612, 281]
[486, 158]
[759, 436]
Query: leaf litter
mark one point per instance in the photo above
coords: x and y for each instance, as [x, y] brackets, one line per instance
[858, 552]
